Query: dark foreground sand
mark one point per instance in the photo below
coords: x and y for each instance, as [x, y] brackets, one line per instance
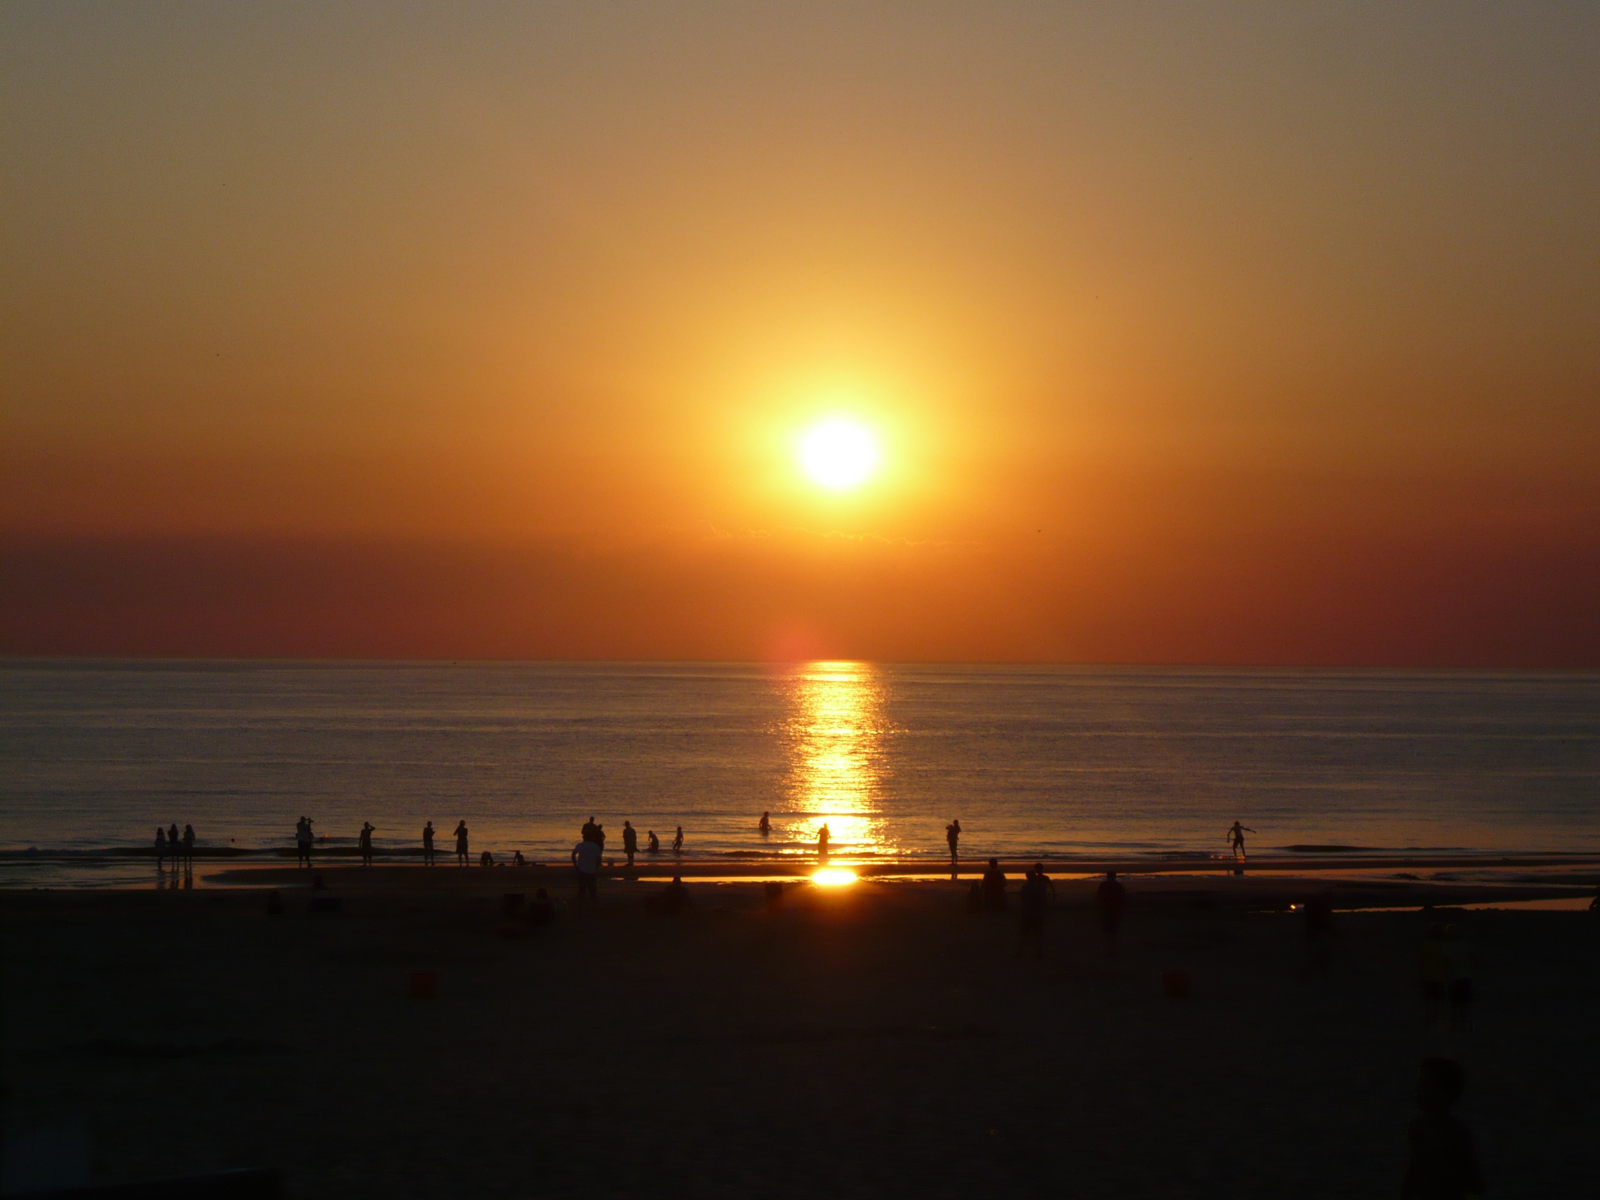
[876, 1040]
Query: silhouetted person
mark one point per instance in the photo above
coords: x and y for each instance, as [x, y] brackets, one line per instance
[765, 824]
[1458, 962]
[1319, 928]
[462, 854]
[175, 844]
[517, 860]
[1111, 897]
[654, 846]
[364, 841]
[630, 841]
[677, 842]
[822, 841]
[161, 848]
[486, 859]
[1236, 836]
[542, 910]
[188, 845]
[586, 865]
[952, 835]
[600, 837]
[1433, 974]
[1443, 1162]
[1037, 892]
[302, 841]
[675, 895]
[590, 829]
[994, 887]
[427, 844]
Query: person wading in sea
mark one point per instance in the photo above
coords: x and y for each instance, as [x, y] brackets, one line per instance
[822, 842]
[427, 844]
[462, 856]
[1236, 836]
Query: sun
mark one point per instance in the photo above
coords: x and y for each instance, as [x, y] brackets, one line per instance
[839, 454]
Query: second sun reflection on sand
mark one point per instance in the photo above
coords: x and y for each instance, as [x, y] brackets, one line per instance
[835, 730]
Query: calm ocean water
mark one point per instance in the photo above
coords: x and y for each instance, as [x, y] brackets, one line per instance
[1034, 760]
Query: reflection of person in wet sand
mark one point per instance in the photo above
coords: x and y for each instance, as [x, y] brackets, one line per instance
[461, 843]
[822, 841]
[1236, 836]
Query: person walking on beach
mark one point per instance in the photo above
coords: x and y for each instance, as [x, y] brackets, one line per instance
[161, 848]
[586, 864]
[677, 842]
[1236, 836]
[461, 844]
[822, 842]
[188, 846]
[1442, 1163]
[364, 841]
[427, 844]
[302, 841]
[1110, 897]
[654, 846]
[994, 887]
[630, 841]
[952, 835]
[1037, 893]
[764, 826]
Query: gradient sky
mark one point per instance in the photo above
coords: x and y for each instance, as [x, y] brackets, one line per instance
[1190, 333]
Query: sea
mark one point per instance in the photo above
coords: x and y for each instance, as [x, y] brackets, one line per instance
[1035, 761]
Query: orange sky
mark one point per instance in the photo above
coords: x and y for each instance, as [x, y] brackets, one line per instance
[1202, 335]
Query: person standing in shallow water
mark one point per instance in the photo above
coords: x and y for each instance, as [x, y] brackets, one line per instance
[1236, 836]
[427, 844]
[952, 835]
[365, 842]
[302, 841]
[161, 848]
[461, 844]
[822, 842]
[630, 841]
[188, 845]
[764, 826]
[677, 842]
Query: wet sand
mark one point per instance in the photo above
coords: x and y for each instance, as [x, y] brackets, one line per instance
[870, 1040]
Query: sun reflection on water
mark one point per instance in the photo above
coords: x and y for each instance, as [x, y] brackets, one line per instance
[836, 729]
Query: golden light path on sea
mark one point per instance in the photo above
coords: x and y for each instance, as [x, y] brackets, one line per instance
[836, 729]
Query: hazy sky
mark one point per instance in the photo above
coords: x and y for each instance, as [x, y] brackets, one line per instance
[1188, 333]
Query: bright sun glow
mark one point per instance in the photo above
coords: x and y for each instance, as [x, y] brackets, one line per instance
[838, 454]
[833, 877]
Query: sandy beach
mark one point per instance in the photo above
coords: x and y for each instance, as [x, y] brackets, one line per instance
[866, 1040]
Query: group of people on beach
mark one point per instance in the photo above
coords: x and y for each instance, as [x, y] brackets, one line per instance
[169, 844]
[180, 849]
